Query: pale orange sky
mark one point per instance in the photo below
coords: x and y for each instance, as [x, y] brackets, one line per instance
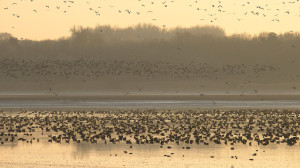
[235, 16]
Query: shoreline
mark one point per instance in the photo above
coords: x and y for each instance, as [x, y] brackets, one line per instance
[146, 97]
[171, 102]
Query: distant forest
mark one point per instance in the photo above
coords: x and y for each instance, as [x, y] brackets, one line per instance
[146, 42]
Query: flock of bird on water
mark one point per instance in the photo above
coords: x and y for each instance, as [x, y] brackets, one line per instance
[212, 12]
[164, 127]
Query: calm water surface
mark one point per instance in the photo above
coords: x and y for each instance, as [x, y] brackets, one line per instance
[43, 154]
[153, 104]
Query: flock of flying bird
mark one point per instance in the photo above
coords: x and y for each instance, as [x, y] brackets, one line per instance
[108, 68]
[211, 12]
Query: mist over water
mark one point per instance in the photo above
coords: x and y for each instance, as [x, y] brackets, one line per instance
[146, 58]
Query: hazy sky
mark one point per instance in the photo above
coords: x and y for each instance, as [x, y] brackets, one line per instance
[51, 19]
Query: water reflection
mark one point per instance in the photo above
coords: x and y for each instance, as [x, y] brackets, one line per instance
[45, 154]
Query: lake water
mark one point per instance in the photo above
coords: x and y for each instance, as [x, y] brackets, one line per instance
[84, 154]
[151, 104]
[45, 154]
